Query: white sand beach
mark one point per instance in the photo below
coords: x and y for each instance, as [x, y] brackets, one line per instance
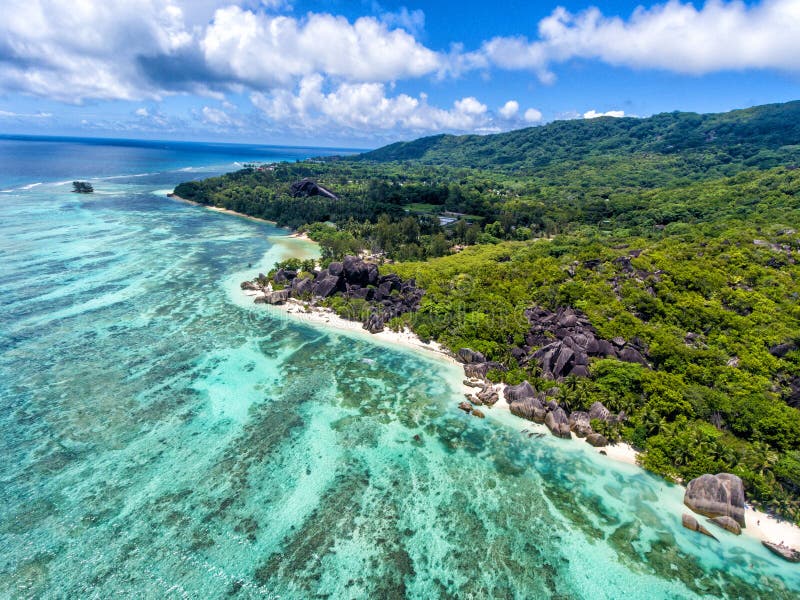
[758, 524]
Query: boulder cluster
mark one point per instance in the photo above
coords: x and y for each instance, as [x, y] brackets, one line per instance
[486, 394]
[388, 295]
[475, 363]
[562, 342]
[541, 407]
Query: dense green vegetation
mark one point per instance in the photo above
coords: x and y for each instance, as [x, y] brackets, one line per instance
[679, 230]
[763, 136]
[709, 297]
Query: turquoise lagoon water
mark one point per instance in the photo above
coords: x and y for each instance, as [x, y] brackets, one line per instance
[161, 437]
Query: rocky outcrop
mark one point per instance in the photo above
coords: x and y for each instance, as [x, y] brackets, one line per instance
[782, 550]
[558, 424]
[524, 401]
[727, 523]
[302, 287]
[529, 408]
[388, 296]
[278, 297]
[519, 392]
[562, 343]
[579, 423]
[374, 323]
[480, 369]
[469, 356]
[720, 495]
[597, 440]
[599, 411]
[307, 187]
[690, 522]
[284, 275]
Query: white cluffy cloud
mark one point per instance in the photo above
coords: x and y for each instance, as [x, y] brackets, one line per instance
[359, 107]
[219, 118]
[509, 110]
[593, 114]
[533, 116]
[265, 50]
[145, 49]
[675, 37]
[74, 50]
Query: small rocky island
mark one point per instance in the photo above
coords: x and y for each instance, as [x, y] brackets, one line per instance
[82, 187]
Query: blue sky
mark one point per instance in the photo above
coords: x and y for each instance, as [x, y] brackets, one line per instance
[363, 73]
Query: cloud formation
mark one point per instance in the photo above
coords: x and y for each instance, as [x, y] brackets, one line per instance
[352, 108]
[675, 37]
[323, 70]
[146, 49]
[7, 114]
[509, 110]
[593, 114]
[268, 51]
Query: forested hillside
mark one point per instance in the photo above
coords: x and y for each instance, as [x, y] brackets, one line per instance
[763, 136]
[677, 233]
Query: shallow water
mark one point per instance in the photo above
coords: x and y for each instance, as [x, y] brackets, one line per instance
[162, 437]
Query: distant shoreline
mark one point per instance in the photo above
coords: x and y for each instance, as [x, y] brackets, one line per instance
[227, 211]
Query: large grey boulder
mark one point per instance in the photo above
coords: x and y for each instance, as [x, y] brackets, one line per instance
[690, 522]
[727, 523]
[356, 270]
[528, 408]
[720, 495]
[469, 356]
[307, 187]
[302, 286]
[632, 355]
[374, 323]
[599, 412]
[335, 268]
[278, 297]
[597, 440]
[579, 423]
[523, 390]
[326, 286]
[558, 424]
[782, 550]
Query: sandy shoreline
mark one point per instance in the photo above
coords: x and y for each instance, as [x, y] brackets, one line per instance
[759, 525]
[234, 213]
[228, 211]
[323, 316]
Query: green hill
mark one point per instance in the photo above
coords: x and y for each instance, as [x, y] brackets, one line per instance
[762, 137]
[678, 231]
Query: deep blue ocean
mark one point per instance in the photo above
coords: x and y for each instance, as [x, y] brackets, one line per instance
[163, 437]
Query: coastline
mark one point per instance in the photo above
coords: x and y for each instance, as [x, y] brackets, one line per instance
[317, 315]
[759, 525]
[227, 211]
